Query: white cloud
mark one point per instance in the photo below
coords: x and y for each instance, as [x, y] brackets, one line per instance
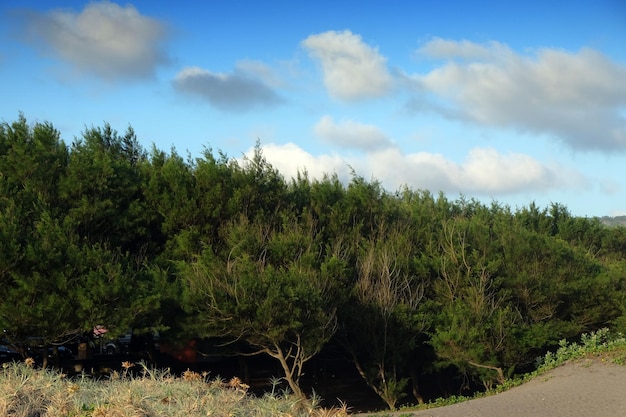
[104, 39]
[493, 172]
[484, 172]
[576, 97]
[290, 159]
[352, 69]
[350, 134]
[235, 91]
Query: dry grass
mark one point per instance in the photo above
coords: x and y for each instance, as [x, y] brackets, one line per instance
[29, 392]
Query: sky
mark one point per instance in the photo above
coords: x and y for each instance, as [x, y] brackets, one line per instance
[507, 102]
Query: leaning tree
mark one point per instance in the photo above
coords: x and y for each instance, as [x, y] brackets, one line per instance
[273, 287]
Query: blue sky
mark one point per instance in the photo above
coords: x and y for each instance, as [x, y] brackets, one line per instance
[516, 102]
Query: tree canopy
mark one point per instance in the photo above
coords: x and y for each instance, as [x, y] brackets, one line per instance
[103, 232]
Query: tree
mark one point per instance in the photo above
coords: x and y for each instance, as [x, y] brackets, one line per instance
[382, 324]
[273, 288]
[474, 320]
[60, 274]
[559, 290]
[259, 189]
[510, 287]
[103, 190]
[62, 286]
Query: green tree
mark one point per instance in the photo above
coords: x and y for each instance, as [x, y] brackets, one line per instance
[103, 190]
[59, 277]
[474, 320]
[33, 160]
[506, 292]
[559, 290]
[259, 188]
[172, 192]
[62, 286]
[273, 287]
[383, 322]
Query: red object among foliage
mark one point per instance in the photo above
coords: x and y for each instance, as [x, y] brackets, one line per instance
[185, 354]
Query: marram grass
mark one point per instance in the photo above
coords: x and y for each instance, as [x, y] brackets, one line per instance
[29, 392]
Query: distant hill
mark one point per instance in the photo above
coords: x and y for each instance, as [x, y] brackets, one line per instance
[613, 221]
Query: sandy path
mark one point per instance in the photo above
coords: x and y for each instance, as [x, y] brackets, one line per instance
[588, 387]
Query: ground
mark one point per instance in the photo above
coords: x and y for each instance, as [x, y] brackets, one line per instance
[587, 387]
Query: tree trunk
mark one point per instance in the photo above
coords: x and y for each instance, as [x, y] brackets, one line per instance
[501, 378]
[293, 381]
[416, 392]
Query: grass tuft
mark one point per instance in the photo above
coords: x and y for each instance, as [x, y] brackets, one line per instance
[26, 391]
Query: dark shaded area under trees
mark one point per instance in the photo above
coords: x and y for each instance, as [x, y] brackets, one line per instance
[407, 287]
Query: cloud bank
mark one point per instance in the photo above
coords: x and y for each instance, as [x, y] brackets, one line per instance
[577, 98]
[106, 40]
[484, 171]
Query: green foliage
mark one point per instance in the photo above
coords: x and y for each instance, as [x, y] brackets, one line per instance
[102, 190]
[272, 287]
[68, 220]
[602, 344]
[384, 318]
[598, 342]
[474, 322]
[102, 232]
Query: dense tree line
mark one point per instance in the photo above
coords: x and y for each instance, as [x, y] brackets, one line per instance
[102, 231]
